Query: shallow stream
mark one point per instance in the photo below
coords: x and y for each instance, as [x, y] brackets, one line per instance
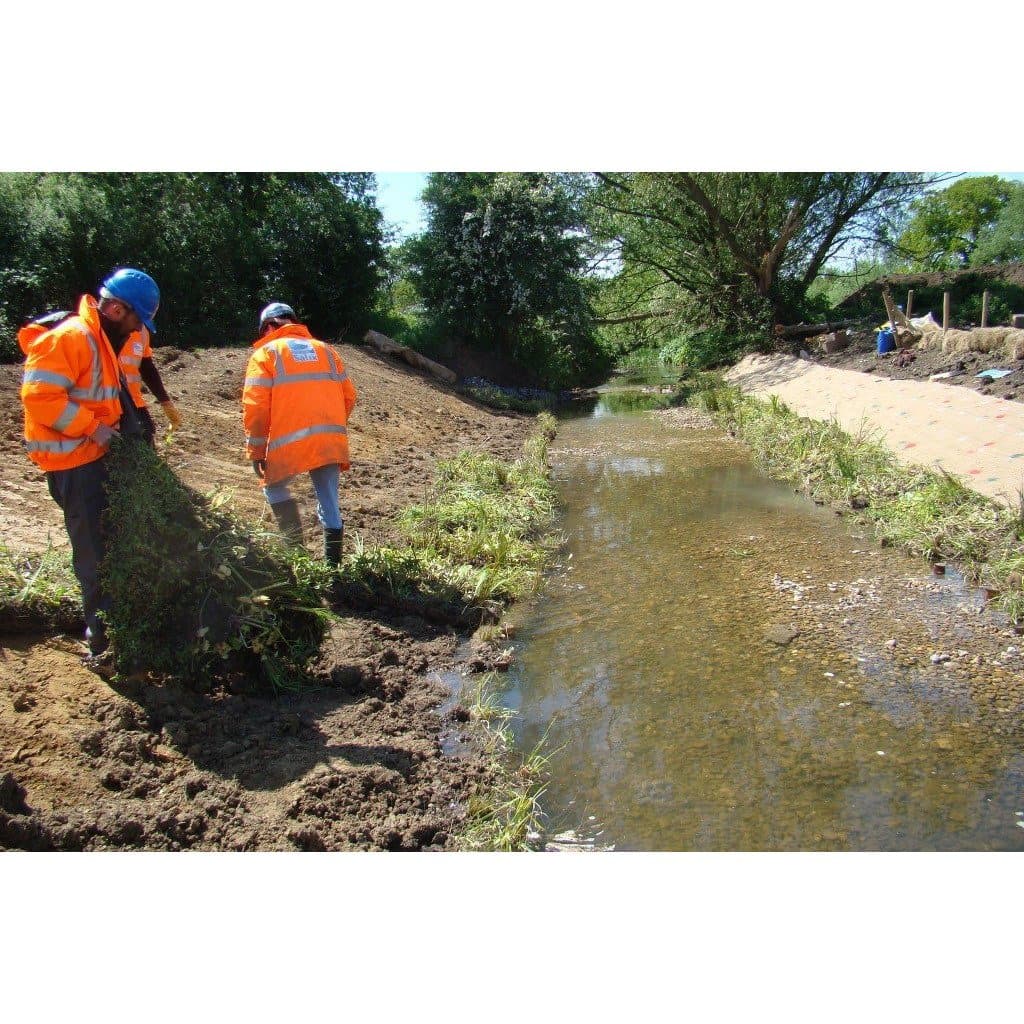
[675, 670]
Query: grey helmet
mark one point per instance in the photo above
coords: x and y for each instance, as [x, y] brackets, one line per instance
[276, 311]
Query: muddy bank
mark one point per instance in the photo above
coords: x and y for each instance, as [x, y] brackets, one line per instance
[354, 764]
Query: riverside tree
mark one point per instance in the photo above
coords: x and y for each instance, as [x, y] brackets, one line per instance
[1003, 241]
[220, 245]
[501, 265]
[945, 226]
[738, 250]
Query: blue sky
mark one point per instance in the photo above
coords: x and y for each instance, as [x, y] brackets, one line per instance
[398, 199]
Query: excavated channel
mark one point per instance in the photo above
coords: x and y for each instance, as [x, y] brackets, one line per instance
[719, 664]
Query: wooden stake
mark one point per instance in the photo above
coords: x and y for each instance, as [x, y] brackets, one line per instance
[945, 311]
[984, 308]
[910, 301]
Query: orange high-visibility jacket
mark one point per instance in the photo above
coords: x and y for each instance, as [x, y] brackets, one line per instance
[71, 381]
[135, 349]
[296, 402]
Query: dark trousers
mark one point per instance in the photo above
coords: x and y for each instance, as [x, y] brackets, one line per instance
[81, 494]
[148, 426]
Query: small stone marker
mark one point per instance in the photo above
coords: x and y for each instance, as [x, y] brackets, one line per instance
[836, 341]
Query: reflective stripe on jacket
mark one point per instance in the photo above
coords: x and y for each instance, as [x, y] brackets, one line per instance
[296, 403]
[70, 382]
[135, 349]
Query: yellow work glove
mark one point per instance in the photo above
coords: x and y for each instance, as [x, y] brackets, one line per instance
[172, 414]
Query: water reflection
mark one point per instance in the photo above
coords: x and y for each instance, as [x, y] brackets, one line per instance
[672, 720]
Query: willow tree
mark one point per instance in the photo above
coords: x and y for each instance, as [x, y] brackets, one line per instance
[738, 249]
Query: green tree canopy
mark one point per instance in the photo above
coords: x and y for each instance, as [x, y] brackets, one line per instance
[1003, 241]
[735, 249]
[500, 265]
[945, 226]
[219, 246]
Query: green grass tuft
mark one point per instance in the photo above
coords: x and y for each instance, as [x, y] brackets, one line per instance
[503, 817]
[39, 589]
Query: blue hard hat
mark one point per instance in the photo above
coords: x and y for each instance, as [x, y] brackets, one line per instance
[276, 311]
[135, 289]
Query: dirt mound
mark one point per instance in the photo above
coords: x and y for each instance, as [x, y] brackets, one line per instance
[958, 367]
[403, 423]
[1010, 274]
[355, 763]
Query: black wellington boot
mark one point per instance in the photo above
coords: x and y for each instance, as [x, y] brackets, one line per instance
[332, 545]
[288, 520]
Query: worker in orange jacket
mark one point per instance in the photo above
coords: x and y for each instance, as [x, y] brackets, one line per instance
[138, 367]
[72, 394]
[295, 406]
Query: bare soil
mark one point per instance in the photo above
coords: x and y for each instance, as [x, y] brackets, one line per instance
[922, 364]
[358, 762]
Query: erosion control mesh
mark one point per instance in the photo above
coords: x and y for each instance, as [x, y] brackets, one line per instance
[195, 593]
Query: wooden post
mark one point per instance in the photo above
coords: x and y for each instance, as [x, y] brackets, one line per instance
[984, 308]
[890, 310]
[945, 311]
[910, 301]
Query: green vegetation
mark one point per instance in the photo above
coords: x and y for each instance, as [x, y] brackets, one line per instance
[630, 400]
[932, 515]
[503, 817]
[39, 589]
[965, 291]
[495, 398]
[219, 246]
[735, 250]
[195, 594]
[1003, 240]
[500, 267]
[947, 225]
[706, 348]
[834, 285]
[482, 538]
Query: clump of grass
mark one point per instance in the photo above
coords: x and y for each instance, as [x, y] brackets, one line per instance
[929, 514]
[708, 392]
[504, 817]
[480, 541]
[483, 532]
[39, 589]
[936, 516]
[194, 593]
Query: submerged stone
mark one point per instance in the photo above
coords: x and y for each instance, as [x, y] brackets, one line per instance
[781, 635]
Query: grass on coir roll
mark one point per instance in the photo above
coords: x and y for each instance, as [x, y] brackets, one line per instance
[480, 540]
[927, 513]
[195, 592]
[38, 589]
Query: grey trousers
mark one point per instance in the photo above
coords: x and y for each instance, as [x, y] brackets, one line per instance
[81, 495]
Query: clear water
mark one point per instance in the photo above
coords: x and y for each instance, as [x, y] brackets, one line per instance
[673, 724]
